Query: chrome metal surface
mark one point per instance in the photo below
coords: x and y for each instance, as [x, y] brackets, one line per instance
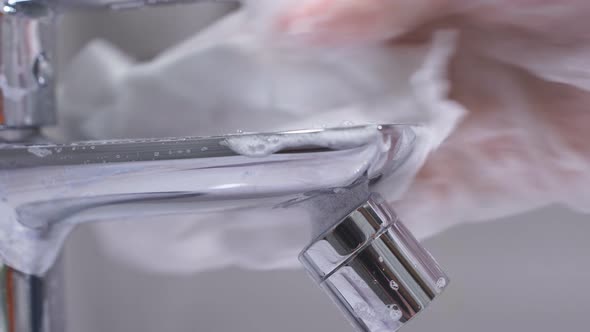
[27, 56]
[374, 269]
[30, 303]
[47, 189]
[181, 148]
[27, 43]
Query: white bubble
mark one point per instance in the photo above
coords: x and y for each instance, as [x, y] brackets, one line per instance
[381, 259]
[340, 190]
[39, 152]
[204, 148]
[395, 312]
[393, 285]
[441, 283]
[156, 154]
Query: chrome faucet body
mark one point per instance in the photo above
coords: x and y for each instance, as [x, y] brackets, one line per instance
[27, 48]
[361, 254]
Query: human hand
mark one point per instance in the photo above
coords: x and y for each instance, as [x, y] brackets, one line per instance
[522, 144]
[522, 72]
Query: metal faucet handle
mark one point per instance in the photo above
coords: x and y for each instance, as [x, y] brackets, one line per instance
[27, 56]
[27, 87]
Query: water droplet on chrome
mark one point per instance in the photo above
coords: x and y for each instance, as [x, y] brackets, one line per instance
[441, 283]
[393, 285]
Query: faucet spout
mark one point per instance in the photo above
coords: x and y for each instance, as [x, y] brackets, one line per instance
[46, 190]
[361, 255]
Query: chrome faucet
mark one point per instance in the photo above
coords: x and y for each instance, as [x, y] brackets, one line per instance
[361, 254]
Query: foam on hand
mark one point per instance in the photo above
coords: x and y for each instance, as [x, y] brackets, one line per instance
[232, 77]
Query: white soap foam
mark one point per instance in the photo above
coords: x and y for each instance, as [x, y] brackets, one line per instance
[264, 145]
[39, 151]
[256, 88]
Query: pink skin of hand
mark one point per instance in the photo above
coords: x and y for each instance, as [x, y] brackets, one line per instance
[524, 141]
[339, 22]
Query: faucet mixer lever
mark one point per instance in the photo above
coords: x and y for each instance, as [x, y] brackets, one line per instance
[27, 56]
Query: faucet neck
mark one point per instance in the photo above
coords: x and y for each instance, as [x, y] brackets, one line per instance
[27, 50]
[30, 303]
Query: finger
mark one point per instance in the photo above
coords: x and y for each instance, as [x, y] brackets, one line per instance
[343, 22]
[522, 146]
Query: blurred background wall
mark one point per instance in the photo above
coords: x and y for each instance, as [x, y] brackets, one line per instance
[526, 273]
